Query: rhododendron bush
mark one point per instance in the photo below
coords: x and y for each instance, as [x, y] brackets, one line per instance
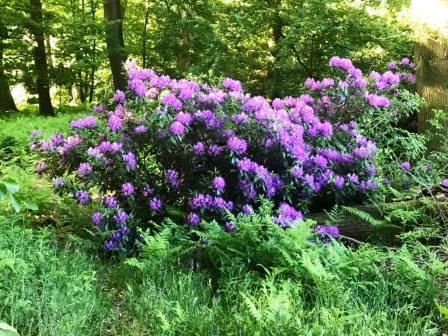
[179, 148]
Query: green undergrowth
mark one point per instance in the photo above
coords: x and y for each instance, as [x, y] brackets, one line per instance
[54, 279]
[46, 289]
[60, 288]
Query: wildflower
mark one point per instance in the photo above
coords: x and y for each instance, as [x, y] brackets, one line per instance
[171, 100]
[115, 123]
[177, 128]
[121, 217]
[405, 61]
[140, 129]
[287, 215]
[97, 218]
[184, 117]
[56, 140]
[130, 160]
[247, 209]
[378, 101]
[172, 178]
[215, 150]
[231, 84]
[219, 183]
[41, 166]
[406, 166]
[58, 182]
[119, 96]
[84, 169]
[155, 204]
[99, 108]
[444, 183]
[199, 148]
[237, 145]
[230, 227]
[111, 202]
[83, 197]
[193, 219]
[86, 122]
[339, 182]
[127, 189]
[297, 171]
[392, 65]
[353, 178]
[327, 231]
[240, 118]
[147, 190]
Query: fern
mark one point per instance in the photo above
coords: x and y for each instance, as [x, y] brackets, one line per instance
[335, 215]
[364, 216]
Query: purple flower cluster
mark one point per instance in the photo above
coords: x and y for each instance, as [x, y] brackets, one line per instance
[172, 177]
[406, 166]
[127, 189]
[193, 219]
[86, 122]
[84, 169]
[213, 150]
[219, 183]
[287, 215]
[327, 231]
[155, 204]
[237, 145]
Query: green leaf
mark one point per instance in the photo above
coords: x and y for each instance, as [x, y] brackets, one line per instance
[7, 330]
[15, 202]
[443, 311]
[3, 191]
[174, 211]
[11, 185]
[30, 205]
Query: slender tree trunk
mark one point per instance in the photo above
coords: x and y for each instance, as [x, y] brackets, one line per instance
[40, 59]
[113, 13]
[272, 76]
[6, 100]
[93, 67]
[145, 25]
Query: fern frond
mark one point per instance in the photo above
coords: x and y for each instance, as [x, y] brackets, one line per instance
[363, 215]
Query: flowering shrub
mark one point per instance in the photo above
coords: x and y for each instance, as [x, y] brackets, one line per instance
[186, 149]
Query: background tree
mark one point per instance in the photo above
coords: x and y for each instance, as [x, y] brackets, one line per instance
[113, 14]
[6, 100]
[431, 55]
[40, 57]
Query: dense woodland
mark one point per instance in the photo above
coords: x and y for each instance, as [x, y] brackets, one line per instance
[78, 47]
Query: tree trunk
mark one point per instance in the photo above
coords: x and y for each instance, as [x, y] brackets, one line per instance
[431, 56]
[40, 59]
[145, 25]
[273, 78]
[6, 100]
[113, 14]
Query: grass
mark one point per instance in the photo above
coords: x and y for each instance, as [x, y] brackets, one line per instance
[53, 283]
[48, 288]
[19, 125]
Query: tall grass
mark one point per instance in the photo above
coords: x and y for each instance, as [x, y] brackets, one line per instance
[46, 290]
